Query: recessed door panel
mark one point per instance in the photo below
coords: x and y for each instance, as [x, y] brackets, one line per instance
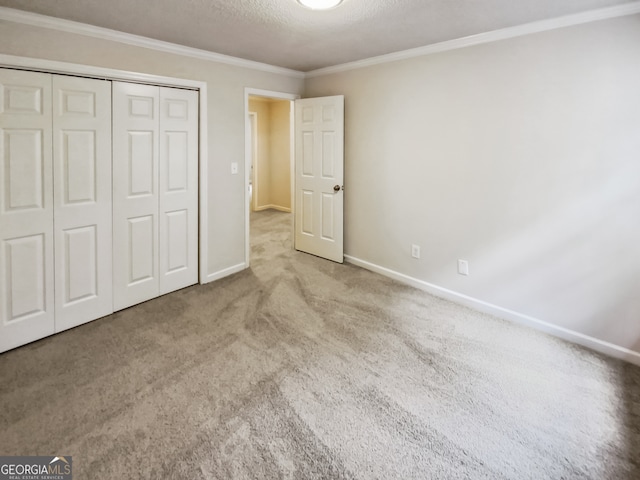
[328, 154]
[79, 164]
[328, 209]
[178, 109]
[23, 161]
[141, 252]
[143, 106]
[82, 199]
[306, 114]
[81, 275]
[25, 263]
[307, 212]
[26, 208]
[177, 240]
[23, 99]
[141, 163]
[307, 153]
[81, 103]
[328, 113]
[177, 161]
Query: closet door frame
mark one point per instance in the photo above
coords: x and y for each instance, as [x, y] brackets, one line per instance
[49, 66]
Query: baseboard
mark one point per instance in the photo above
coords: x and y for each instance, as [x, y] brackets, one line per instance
[273, 207]
[601, 346]
[225, 272]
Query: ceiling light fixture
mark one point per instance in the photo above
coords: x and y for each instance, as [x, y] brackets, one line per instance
[320, 4]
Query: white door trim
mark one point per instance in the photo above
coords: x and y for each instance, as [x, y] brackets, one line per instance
[49, 66]
[247, 158]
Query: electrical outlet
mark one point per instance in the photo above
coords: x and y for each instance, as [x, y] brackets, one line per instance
[463, 267]
[415, 251]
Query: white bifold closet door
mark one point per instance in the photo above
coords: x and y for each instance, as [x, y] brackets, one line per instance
[82, 199]
[178, 187]
[55, 206]
[155, 191]
[26, 209]
[135, 193]
[98, 199]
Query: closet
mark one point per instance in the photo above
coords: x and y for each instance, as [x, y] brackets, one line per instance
[98, 202]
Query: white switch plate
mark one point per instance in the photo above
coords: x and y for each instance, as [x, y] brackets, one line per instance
[463, 267]
[415, 251]
[234, 168]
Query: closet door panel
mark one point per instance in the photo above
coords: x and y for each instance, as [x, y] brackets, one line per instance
[135, 193]
[178, 189]
[82, 199]
[26, 209]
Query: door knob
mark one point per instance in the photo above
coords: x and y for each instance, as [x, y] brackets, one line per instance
[336, 188]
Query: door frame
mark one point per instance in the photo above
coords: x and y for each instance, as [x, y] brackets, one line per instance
[78, 70]
[248, 91]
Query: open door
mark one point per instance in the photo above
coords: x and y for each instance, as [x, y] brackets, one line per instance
[319, 157]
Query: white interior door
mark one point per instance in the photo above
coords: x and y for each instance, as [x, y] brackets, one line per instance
[26, 208]
[135, 193]
[82, 199]
[178, 189]
[319, 157]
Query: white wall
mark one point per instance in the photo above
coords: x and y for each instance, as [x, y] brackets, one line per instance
[521, 156]
[225, 114]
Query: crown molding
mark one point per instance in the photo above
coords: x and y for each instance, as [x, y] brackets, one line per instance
[493, 36]
[68, 26]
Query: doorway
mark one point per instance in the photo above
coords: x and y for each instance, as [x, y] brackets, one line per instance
[270, 171]
[269, 165]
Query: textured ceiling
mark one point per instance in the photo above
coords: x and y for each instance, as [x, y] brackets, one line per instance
[283, 33]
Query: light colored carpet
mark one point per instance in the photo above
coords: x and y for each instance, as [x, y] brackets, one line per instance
[301, 368]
